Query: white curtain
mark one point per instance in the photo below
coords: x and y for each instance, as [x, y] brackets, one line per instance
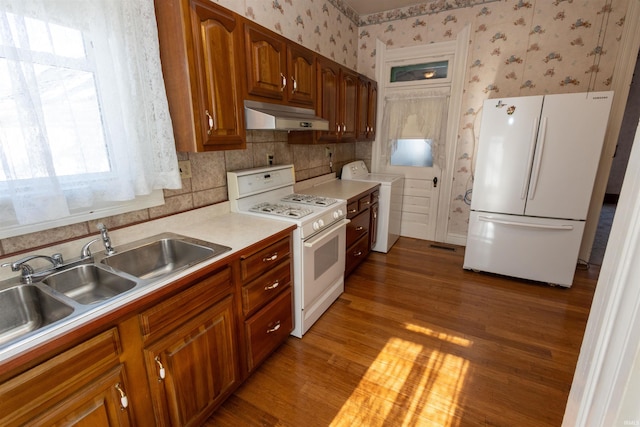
[416, 114]
[84, 120]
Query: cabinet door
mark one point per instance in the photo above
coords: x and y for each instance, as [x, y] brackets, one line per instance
[372, 114]
[219, 111]
[329, 75]
[194, 368]
[99, 404]
[373, 227]
[301, 85]
[266, 63]
[363, 109]
[348, 97]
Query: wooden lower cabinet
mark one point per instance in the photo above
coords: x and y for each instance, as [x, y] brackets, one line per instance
[362, 210]
[194, 368]
[173, 359]
[81, 386]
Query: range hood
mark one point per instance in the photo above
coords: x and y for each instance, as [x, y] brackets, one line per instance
[265, 116]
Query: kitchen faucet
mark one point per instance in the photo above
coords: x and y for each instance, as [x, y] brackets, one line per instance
[28, 273]
[106, 240]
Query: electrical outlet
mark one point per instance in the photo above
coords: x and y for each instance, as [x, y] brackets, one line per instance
[270, 159]
[185, 169]
[327, 152]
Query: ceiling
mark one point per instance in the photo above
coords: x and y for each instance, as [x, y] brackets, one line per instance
[366, 7]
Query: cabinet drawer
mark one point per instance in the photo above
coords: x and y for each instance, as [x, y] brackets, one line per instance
[356, 253]
[375, 196]
[358, 227]
[264, 288]
[352, 209]
[28, 394]
[168, 314]
[364, 202]
[254, 264]
[268, 328]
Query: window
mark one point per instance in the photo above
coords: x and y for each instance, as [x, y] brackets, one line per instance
[425, 71]
[85, 130]
[412, 152]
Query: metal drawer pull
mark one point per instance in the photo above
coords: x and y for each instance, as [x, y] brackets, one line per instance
[123, 397]
[295, 85]
[367, 203]
[161, 372]
[284, 82]
[359, 228]
[353, 211]
[272, 286]
[210, 122]
[270, 258]
[275, 328]
[357, 253]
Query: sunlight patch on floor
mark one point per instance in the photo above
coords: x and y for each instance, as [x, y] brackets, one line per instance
[407, 385]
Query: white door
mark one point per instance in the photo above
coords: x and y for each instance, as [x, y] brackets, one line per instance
[419, 200]
[572, 128]
[505, 153]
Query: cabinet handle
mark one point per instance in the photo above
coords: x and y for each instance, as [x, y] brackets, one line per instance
[367, 203]
[353, 210]
[275, 328]
[161, 372]
[359, 228]
[123, 397]
[284, 82]
[344, 127]
[357, 253]
[209, 121]
[338, 126]
[272, 286]
[270, 258]
[294, 89]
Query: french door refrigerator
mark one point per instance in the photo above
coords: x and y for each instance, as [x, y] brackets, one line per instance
[535, 168]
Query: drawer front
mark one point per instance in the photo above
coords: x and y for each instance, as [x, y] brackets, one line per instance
[352, 209]
[269, 328]
[256, 293]
[24, 396]
[364, 202]
[358, 227]
[171, 313]
[254, 264]
[356, 254]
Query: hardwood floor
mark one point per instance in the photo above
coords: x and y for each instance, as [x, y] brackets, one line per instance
[415, 340]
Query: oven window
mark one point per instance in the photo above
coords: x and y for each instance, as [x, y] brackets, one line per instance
[325, 257]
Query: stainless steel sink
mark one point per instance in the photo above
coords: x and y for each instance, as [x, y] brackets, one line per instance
[89, 284]
[162, 255]
[26, 308]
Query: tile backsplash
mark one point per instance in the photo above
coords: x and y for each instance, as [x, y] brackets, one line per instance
[208, 184]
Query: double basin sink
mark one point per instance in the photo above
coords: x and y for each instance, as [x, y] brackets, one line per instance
[28, 309]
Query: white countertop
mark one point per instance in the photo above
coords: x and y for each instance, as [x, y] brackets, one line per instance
[214, 224]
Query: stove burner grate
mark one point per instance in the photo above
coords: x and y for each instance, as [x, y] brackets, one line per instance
[282, 210]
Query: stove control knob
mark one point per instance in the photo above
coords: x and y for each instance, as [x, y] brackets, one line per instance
[336, 214]
[316, 226]
[321, 223]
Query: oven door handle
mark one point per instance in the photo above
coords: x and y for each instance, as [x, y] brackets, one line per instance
[311, 243]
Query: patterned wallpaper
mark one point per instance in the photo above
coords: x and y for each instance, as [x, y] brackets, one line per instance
[517, 48]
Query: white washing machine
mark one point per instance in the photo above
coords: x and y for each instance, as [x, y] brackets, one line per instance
[389, 203]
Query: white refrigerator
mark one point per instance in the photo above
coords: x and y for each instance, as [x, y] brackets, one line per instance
[535, 168]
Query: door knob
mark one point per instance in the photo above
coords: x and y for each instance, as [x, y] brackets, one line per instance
[435, 181]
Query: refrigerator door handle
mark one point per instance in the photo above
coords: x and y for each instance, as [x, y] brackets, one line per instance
[525, 224]
[532, 147]
[540, 149]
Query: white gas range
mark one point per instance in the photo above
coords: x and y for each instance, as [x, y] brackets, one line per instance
[319, 240]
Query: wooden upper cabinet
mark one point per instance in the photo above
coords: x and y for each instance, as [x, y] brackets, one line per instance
[348, 97]
[367, 109]
[266, 62]
[337, 101]
[202, 61]
[301, 87]
[278, 69]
